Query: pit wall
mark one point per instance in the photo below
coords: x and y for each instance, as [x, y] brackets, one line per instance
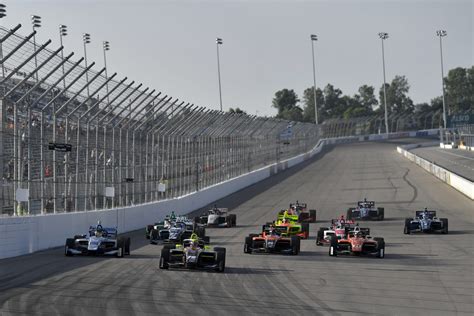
[28, 234]
[461, 184]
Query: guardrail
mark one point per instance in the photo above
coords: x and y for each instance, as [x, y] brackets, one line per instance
[456, 181]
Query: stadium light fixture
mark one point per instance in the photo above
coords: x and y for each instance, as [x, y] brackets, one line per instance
[86, 39]
[314, 38]
[219, 41]
[383, 36]
[441, 34]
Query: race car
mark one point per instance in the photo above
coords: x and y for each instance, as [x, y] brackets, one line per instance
[289, 228]
[357, 243]
[100, 241]
[164, 224]
[177, 231]
[193, 254]
[217, 217]
[272, 240]
[298, 212]
[426, 222]
[339, 228]
[366, 210]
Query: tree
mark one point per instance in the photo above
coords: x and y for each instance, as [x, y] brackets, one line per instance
[398, 100]
[237, 111]
[285, 101]
[460, 89]
[333, 106]
[367, 98]
[308, 101]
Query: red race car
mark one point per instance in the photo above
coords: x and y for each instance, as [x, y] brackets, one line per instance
[357, 243]
[272, 240]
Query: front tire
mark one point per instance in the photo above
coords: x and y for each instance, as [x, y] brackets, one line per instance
[164, 258]
[407, 229]
[445, 225]
[69, 244]
[333, 247]
[248, 245]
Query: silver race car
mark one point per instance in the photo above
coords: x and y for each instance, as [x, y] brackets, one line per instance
[426, 221]
[217, 217]
[366, 210]
[99, 241]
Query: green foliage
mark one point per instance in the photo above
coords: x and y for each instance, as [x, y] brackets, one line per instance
[460, 89]
[237, 110]
[285, 101]
[398, 100]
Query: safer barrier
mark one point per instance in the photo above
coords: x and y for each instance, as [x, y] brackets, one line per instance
[461, 184]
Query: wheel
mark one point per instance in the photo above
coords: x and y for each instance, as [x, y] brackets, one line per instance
[445, 225]
[349, 213]
[69, 244]
[333, 247]
[380, 247]
[406, 230]
[153, 236]
[127, 246]
[206, 239]
[253, 235]
[120, 247]
[312, 215]
[248, 245]
[148, 230]
[381, 213]
[305, 229]
[320, 237]
[295, 245]
[220, 259]
[164, 258]
[234, 219]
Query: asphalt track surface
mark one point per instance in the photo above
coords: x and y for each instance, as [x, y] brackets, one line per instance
[458, 161]
[420, 275]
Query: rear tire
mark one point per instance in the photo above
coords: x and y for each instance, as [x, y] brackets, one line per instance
[220, 259]
[349, 214]
[380, 247]
[381, 213]
[248, 245]
[445, 225]
[153, 236]
[333, 247]
[164, 258]
[312, 214]
[305, 229]
[69, 244]
[127, 246]
[295, 245]
[406, 230]
[120, 247]
[320, 237]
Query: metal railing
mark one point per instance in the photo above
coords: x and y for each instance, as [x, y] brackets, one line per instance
[120, 144]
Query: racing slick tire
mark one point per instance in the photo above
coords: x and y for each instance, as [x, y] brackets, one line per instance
[320, 236]
[69, 244]
[164, 258]
[253, 235]
[127, 246]
[148, 230]
[220, 260]
[248, 244]
[333, 247]
[234, 220]
[349, 213]
[380, 247]
[153, 236]
[206, 239]
[445, 225]
[406, 230]
[381, 213]
[200, 231]
[312, 215]
[305, 229]
[295, 245]
[120, 247]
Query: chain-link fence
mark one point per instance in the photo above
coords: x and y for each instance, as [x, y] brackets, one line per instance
[72, 139]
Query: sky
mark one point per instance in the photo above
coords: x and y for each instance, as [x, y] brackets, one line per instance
[170, 45]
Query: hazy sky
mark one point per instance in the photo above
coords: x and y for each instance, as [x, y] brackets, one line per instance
[170, 45]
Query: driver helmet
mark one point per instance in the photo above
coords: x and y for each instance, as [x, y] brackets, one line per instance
[99, 231]
[358, 234]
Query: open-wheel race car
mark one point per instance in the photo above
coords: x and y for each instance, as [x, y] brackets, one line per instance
[288, 228]
[298, 212]
[357, 243]
[99, 241]
[272, 241]
[216, 217]
[193, 253]
[340, 228]
[177, 232]
[426, 222]
[366, 210]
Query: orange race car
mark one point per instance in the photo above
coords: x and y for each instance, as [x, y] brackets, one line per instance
[272, 240]
[358, 243]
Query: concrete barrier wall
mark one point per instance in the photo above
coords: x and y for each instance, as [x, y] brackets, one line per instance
[22, 235]
[461, 184]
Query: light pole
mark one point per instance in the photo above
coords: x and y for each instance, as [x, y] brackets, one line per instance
[86, 38]
[219, 42]
[441, 34]
[62, 32]
[383, 36]
[314, 38]
[3, 13]
[106, 47]
[36, 23]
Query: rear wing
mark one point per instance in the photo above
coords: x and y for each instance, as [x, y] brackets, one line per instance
[299, 205]
[221, 210]
[111, 231]
[366, 203]
[431, 214]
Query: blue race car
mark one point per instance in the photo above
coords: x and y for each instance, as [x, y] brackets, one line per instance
[426, 222]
